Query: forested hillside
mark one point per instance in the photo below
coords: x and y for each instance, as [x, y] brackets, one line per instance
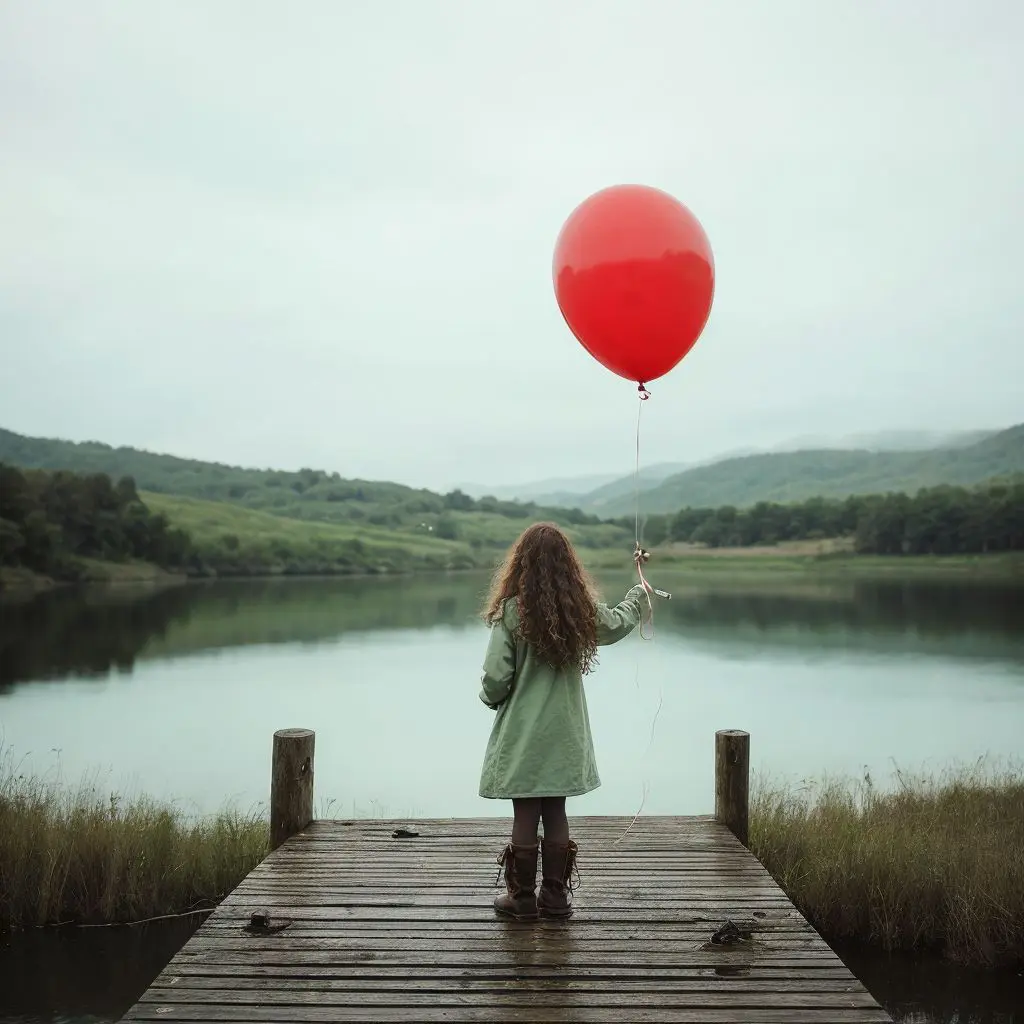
[124, 505]
[934, 521]
[797, 476]
[740, 482]
[59, 517]
[51, 522]
[73, 526]
[305, 494]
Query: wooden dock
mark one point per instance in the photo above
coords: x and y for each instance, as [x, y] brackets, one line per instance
[361, 921]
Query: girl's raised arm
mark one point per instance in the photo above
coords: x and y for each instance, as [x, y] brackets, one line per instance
[613, 624]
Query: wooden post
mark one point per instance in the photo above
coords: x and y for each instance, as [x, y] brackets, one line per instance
[291, 784]
[732, 781]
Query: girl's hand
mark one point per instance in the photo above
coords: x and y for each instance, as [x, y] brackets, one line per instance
[639, 557]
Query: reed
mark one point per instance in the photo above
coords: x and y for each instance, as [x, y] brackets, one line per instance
[926, 864]
[80, 855]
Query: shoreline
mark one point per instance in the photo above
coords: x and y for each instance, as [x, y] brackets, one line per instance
[27, 581]
[860, 863]
[707, 563]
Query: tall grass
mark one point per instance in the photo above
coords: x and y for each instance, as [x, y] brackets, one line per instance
[929, 864]
[80, 855]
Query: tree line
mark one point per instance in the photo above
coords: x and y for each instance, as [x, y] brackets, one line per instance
[51, 520]
[934, 521]
[307, 493]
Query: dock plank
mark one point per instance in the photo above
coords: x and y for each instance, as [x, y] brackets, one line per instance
[381, 928]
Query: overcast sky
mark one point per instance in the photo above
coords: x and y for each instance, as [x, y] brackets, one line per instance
[320, 233]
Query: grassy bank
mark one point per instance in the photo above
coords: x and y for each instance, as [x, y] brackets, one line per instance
[90, 571]
[80, 856]
[669, 567]
[932, 865]
[235, 541]
[807, 561]
[239, 541]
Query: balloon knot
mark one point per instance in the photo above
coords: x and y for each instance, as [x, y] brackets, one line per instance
[643, 392]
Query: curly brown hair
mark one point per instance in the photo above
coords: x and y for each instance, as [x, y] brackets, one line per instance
[555, 597]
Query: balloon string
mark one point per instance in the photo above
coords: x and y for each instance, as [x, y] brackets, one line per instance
[640, 557]
[636, 474]
[650, 604]
[640, 554]
[650, 743]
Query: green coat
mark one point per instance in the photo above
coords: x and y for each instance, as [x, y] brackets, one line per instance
[540, 744]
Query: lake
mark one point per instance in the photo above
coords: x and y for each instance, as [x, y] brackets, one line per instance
[176, 693]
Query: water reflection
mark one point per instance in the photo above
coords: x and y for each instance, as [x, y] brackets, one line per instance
[94, 976]
[90, 633]
[86, 633]
[83, 975]
[932, 991]
[963, 621]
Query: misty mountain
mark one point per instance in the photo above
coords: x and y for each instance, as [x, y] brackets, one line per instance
[826, 472]
[594, 493]
[568, 491]
[889, 440]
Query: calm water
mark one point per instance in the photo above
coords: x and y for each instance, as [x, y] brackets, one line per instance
[176, 693]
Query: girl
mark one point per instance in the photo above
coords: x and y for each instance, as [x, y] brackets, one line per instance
[546, 625]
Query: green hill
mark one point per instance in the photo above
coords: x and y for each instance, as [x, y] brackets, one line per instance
[268, 489]
[605, 494]
[374, 521]
[623, 488]
[240, 541]
[797, 476]
[490, 522]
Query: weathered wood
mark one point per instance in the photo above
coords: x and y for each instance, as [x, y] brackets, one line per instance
[291, 784]
[368, 938]
[605, 936]
[516, 1013]
[732, 781]
[396, 873]
[278, 987]
[521, 953]
[462, 828]
[379, 926]
[560, 995]
[778, 973]
[385, 929]
[515, 1009]
[669, 921]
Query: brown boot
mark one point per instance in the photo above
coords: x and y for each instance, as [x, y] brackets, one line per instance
[520, 900]
[555, 898]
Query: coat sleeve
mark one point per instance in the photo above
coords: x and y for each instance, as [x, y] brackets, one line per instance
[499, 666]
[613, 624]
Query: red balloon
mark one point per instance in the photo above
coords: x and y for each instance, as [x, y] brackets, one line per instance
[634, 278]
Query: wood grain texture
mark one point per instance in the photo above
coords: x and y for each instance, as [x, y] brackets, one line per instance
[732, 781]
[381, 928]
[291, 783]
